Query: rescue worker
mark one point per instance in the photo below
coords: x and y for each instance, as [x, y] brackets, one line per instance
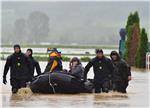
[122, 73]
[103, 70]
[34, 64]
[19, 66]
[55, 62]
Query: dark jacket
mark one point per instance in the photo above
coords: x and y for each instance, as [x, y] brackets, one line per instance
[34, 65]
[78, 72]
[103, 69]
[50, 63]
[19, 65]
[121, 70]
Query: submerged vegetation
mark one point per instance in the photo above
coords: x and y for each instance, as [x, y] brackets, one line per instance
[65, 46]
[45, 58]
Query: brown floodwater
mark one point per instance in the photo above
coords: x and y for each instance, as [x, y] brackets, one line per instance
[137, 96]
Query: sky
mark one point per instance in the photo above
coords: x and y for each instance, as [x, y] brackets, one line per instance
[79, 22]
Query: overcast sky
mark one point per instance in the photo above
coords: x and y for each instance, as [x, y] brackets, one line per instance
[80, 21]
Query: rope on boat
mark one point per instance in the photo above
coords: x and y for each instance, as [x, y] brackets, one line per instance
[51, 85]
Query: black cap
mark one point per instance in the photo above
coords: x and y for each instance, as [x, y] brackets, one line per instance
[99, 51]
[16, 46]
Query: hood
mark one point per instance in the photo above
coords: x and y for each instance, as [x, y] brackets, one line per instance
[115, 53]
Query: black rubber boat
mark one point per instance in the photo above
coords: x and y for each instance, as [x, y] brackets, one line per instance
[59, 83]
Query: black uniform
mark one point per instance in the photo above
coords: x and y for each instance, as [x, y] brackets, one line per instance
[120, 75]
[103, 69]
[34, 65]
[19, 65]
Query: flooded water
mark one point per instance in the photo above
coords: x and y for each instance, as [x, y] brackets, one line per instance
[75, 51]
[137, 96]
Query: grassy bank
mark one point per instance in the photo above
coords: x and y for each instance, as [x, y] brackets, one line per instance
[44, 56]
[62, 54]
[64, 58]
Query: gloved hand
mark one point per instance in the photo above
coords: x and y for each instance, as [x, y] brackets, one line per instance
[84, 79]
[65, 71]
[4, 80]
[129, 78]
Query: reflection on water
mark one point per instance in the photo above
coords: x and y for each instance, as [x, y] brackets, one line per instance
[68, 100]
[24, 92]
[137, 96]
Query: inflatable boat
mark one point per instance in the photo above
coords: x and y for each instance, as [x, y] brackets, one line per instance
[59, 83]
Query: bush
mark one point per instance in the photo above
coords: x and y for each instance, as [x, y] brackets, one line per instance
[142, 49]
[39, 58]
[65, 58]
[85, 59]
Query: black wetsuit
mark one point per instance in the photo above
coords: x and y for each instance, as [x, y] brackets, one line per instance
[103, 69]
[34, 65]
[120, 75]
[20, 67]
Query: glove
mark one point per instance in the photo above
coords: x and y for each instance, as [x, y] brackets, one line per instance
[4, 80]
[84, 79]
[129, 78]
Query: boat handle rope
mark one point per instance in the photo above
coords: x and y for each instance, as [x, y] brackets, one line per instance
[51, 85]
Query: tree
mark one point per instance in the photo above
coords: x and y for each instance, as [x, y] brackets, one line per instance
[136, 18]
[142, 49]
[134, 43]
[129, 21]
[133, 35]
[20, 30]
[38, 26]
[7, 35]
[128, 43]
[132, 18]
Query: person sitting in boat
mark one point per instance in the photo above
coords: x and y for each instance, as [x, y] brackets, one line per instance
[55, 62]
[76, 68]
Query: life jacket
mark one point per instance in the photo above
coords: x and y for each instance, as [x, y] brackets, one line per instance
[55, 62]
